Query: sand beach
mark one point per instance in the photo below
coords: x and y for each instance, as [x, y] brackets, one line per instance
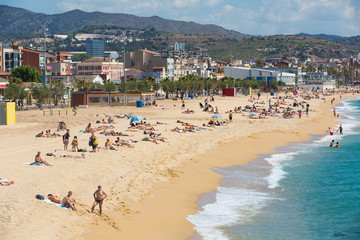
[151, 186]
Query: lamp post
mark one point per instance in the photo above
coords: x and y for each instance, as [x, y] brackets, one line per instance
[45, 70]
[124, 66]
[124, 59]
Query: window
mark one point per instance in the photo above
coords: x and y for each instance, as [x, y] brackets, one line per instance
[86, 68]
[80, 68]
[92, 68]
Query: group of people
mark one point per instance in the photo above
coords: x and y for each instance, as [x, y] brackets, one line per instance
[69, 202]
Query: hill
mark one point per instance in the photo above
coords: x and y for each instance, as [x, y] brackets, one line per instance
[19, 21]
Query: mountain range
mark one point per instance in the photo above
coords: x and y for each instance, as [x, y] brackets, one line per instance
[21, 21]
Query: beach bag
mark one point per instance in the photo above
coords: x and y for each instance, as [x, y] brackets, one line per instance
[40, 197]
[95, 143]
[90, 143]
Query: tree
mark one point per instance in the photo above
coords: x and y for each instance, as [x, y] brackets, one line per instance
[14, 90]
[273, 84]
[83, 85]
[80, 57]
[58, 91]
[259, 63]
[27, 74]
[109, 86]
[254, 84]
[40, 93]
[156, 86]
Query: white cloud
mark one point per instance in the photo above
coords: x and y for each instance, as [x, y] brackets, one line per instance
[253, 17]
[185, 3]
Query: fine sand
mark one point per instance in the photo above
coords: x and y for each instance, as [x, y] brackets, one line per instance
[151, 187]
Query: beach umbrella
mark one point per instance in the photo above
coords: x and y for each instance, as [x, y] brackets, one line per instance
[216, 116]
[136, 118]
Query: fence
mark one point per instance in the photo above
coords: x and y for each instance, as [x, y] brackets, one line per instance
[56, 112]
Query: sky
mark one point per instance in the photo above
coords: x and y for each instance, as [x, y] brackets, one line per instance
[255, 17]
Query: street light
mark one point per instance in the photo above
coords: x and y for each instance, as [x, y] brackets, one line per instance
[45, 70]
[124, 59]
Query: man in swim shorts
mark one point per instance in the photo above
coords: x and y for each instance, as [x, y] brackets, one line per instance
[99, 196]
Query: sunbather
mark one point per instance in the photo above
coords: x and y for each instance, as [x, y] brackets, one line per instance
[38, 159]
[5, 182]
[54, 199]
[68, 201]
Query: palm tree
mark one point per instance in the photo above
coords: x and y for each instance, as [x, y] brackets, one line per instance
[84, 85]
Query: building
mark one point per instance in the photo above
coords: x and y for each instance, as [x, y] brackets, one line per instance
[63, 57]
[30, 57]
[260, 74]
[179, 47]
[113, 70]
[95, 48]
[145, 60]
[11, 58]
[59, 68]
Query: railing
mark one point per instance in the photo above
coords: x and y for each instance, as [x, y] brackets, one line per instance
[55, 111]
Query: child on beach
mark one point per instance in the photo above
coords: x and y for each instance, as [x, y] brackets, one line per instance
[74, 110]
[75, 144]
[331, 132]
[66, 138]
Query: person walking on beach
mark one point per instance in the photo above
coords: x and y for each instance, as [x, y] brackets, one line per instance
[66, 138]
[99, 196]
[74, 110]
[299, 113]
[183, 104]
[230, 116]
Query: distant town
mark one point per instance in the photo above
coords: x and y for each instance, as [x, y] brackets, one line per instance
[173, 63]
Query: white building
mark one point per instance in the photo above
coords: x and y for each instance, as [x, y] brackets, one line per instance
[260, 74]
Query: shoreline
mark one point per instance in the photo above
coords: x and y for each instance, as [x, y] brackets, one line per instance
[173, 202]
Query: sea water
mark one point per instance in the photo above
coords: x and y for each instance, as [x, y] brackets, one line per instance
[304, 191]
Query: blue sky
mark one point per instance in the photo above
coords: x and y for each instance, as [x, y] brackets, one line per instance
[258, 17]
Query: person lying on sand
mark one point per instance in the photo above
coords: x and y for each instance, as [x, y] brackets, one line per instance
[54, 199]
[5, 182]
[38, 159]
[69, 202]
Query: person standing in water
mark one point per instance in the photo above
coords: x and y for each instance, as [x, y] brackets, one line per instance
[340, 130]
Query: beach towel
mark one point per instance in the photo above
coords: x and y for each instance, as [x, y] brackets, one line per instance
[55, 204]
[34, 163]
[71, 156]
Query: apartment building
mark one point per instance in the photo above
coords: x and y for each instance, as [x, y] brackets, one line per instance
[113, 70]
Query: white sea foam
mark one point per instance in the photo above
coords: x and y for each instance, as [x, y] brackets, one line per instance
[277, 162]
[231, 206]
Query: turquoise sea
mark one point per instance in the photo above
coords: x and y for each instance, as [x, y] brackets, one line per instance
[306, 191]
